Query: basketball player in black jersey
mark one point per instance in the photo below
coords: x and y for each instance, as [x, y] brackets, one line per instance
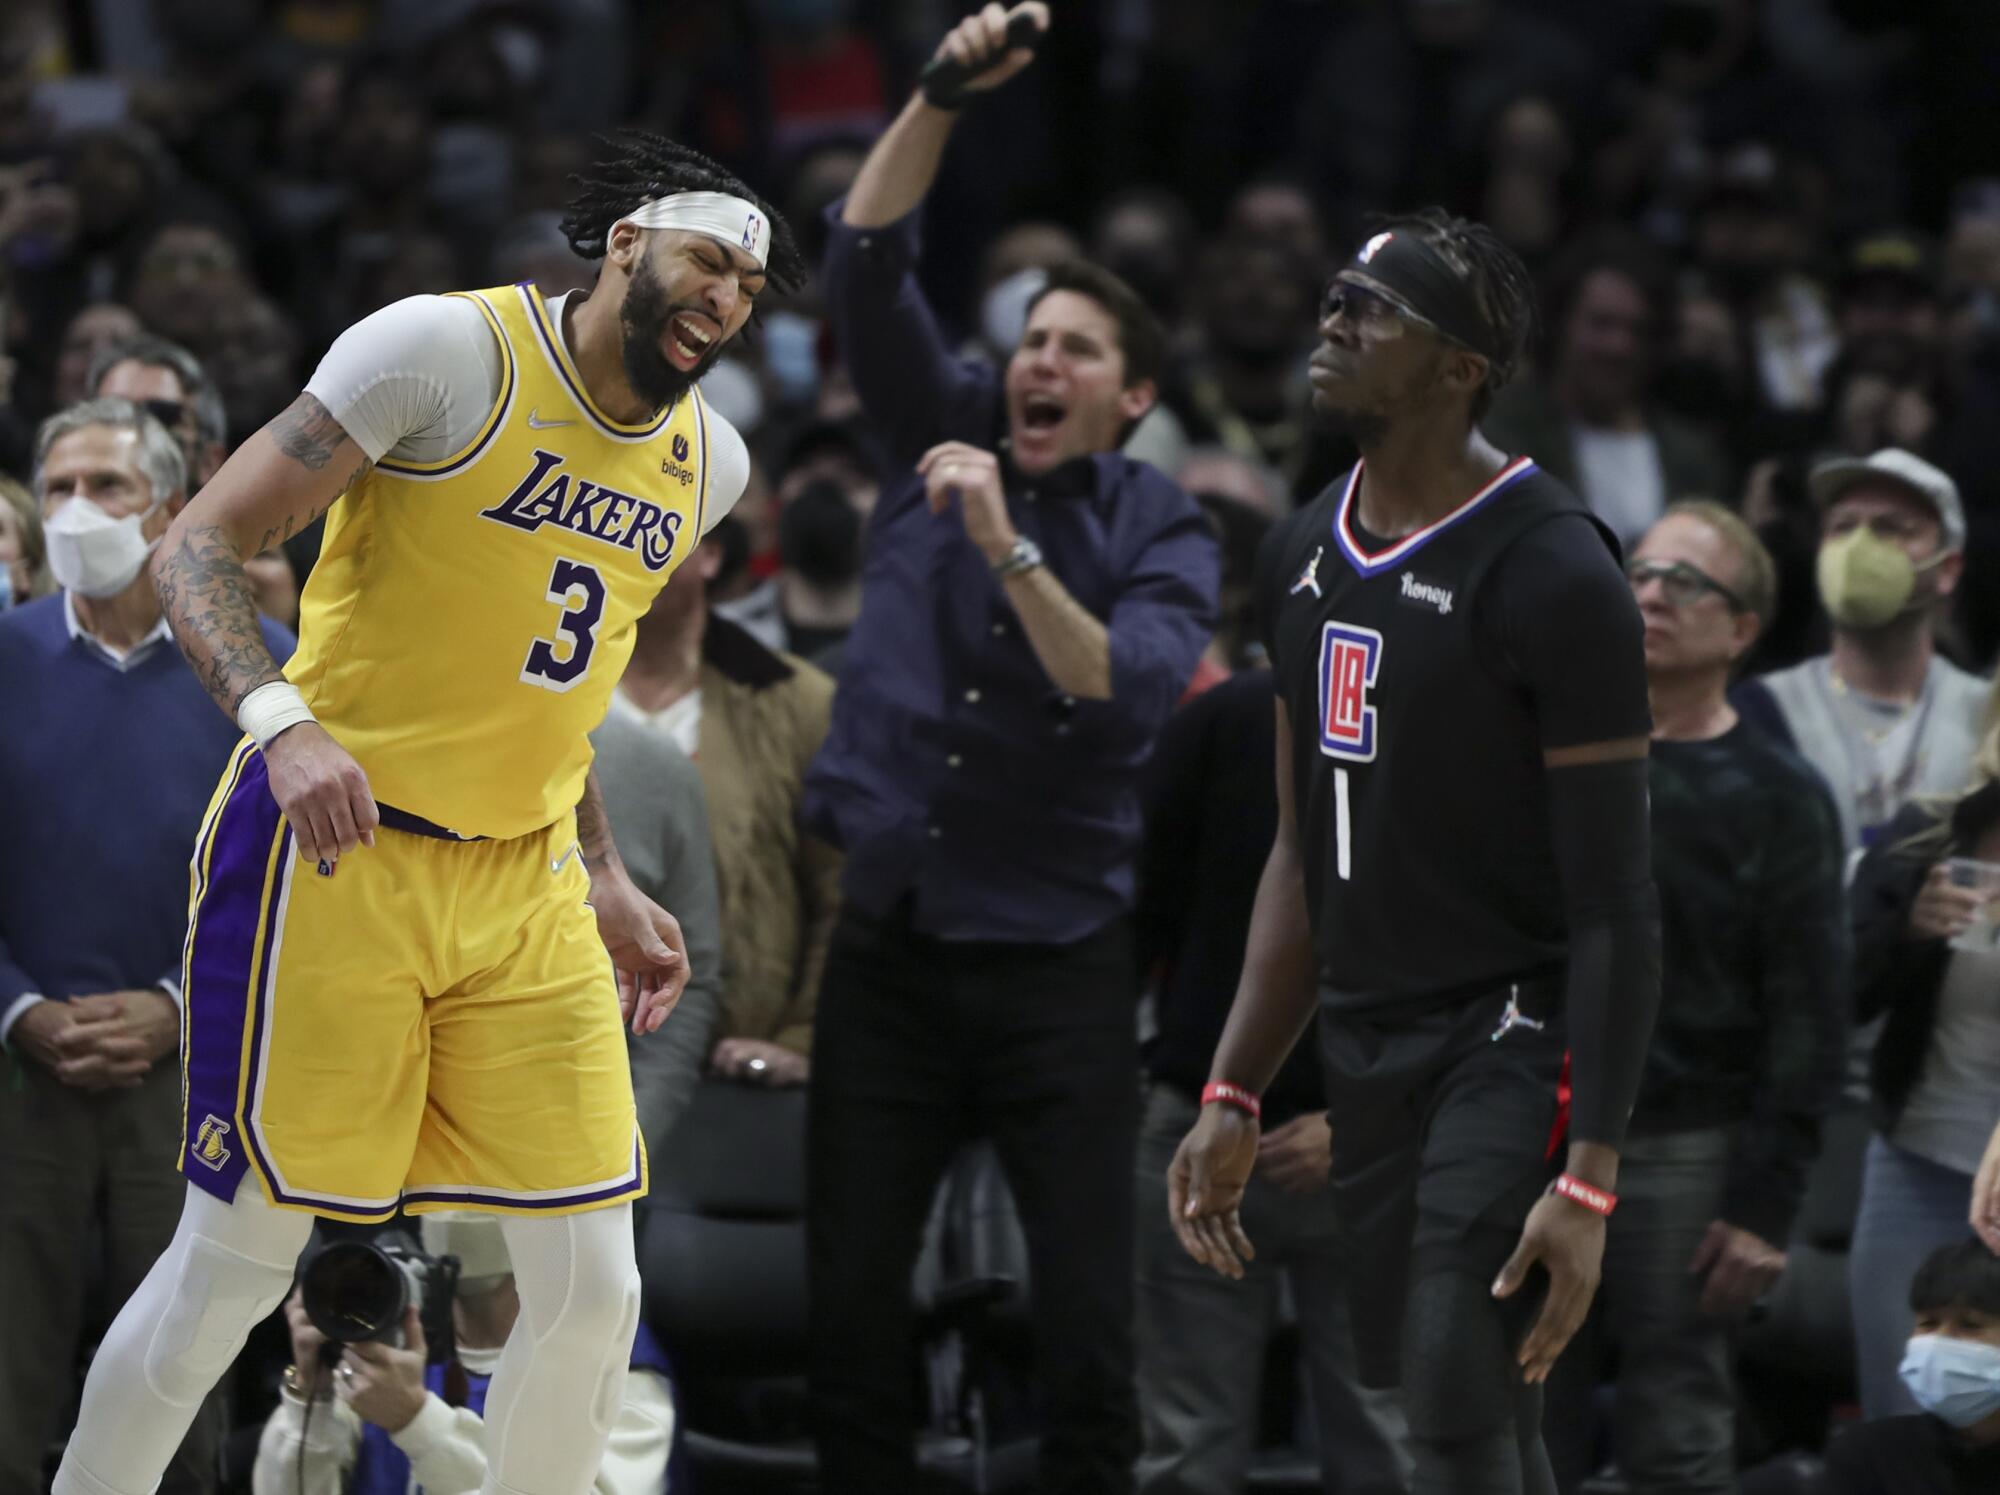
[1460, 887]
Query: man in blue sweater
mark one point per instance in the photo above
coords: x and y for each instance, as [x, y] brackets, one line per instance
[108, 756]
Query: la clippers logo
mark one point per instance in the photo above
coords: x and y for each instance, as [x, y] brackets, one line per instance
[750, 227]
[1349, 659]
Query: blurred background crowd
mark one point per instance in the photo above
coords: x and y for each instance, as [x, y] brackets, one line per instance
[1766, 233]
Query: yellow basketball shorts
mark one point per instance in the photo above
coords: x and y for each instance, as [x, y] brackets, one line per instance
[431, 1022]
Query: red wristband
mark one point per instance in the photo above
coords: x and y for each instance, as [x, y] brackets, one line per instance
[1232, 1095]
[1597, 1201]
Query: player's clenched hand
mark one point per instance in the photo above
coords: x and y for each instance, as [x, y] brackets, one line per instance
[1205, 1185]
[1741, 1267]
[646, 946]
[1297, 1156]
[1568, 1240]
[322, 791]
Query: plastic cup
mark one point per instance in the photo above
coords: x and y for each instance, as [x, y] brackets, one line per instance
[1982, 937]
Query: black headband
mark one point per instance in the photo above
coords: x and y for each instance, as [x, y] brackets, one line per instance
[1419, 276]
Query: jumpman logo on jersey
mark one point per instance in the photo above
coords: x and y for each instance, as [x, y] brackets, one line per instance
[1310, 576]
[1512, 1017]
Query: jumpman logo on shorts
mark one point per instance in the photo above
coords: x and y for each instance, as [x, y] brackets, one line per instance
[1513, 1017]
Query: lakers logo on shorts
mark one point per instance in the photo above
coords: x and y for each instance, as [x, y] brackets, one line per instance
[208, 1146]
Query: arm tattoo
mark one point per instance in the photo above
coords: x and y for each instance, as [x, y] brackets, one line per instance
[279, 534]
[203, 591]
[593, 829]
[207, 600]
[307, 433]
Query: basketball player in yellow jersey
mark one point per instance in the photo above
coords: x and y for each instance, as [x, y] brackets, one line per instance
[396, 985]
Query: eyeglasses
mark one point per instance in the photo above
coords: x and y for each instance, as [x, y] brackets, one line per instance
[1363, 306]
[1684, 585]
[169, 413]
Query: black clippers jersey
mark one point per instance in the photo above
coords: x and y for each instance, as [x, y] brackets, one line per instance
[1417, 760]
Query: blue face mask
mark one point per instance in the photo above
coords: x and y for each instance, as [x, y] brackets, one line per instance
[1956, 1379]
[791, 353]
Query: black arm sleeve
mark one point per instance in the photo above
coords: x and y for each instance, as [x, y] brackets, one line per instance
[1564, 615]
[1600, 821]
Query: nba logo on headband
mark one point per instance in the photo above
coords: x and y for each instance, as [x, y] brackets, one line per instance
[1373, 247]
[720, 215]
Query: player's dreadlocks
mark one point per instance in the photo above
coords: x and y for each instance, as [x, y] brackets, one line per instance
[1500, 285]
[643, 166]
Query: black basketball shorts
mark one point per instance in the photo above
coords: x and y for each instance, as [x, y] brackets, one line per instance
[1447, 1126]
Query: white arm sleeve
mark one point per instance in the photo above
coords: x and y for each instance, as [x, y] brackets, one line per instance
[330, 1446]
[728, 469]
[414, 381]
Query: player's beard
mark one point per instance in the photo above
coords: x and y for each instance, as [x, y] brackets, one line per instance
[642, 319]
[1368, 426]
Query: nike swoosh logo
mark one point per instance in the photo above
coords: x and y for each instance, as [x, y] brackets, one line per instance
[557, 864]
[536, 423]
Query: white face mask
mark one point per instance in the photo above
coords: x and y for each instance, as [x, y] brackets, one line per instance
[92, 554]
[1003, 313]
[735, 395]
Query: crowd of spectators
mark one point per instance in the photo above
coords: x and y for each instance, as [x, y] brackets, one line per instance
[1768, 253]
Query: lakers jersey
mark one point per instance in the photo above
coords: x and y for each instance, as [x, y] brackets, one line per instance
[468, 618]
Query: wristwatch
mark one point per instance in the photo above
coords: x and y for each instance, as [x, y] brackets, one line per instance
[1024, 556]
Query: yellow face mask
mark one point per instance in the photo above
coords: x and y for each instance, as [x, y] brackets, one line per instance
[1864, 580]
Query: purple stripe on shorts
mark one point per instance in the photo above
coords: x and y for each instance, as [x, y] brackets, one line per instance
[222, 952]
[472, 1198]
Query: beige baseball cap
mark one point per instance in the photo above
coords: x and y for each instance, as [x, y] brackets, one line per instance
[1906, 470]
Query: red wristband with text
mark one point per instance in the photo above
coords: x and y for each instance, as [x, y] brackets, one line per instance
[1232, 1095]
[1597, 1201]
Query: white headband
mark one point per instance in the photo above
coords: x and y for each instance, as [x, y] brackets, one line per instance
[717, 214]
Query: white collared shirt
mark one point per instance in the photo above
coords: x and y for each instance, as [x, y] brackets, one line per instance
[121, 661]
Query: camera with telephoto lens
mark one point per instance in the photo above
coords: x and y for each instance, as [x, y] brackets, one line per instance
[356, 1291]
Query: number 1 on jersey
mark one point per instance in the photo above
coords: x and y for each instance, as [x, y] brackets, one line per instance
[1343, 857]
[579, 591]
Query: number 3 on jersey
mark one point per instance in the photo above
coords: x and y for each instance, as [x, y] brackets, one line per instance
[1349, 660]
[558, 663]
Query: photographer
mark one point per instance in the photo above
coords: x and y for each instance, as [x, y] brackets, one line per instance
[1033, 603]
[380, 1420]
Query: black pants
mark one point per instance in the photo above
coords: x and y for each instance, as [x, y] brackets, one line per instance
[1446, 1130]
[920, 1044]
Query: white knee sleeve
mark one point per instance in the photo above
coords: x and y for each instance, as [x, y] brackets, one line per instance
[228, 1266]
[561, 1380]
[231, 1265]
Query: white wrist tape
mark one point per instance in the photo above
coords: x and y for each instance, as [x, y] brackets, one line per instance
[270, 709]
